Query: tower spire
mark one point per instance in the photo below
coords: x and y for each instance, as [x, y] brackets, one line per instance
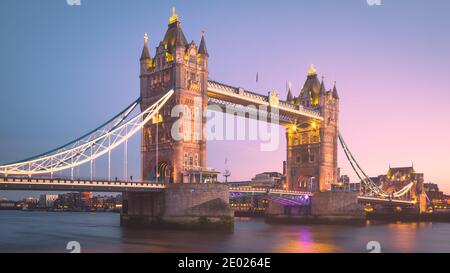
[145, 55]
[174, 17]
[202, 48]
[335, 93]
[289, 94]
[145, 38]
[312, 70]
[322, 87]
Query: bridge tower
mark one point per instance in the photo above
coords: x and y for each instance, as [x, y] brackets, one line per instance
[173, 149]
[311, 163]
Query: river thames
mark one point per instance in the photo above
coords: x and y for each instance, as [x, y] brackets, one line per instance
[32, 231]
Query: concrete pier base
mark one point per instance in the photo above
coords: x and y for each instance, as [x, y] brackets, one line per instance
[325, 208]
[180, 206]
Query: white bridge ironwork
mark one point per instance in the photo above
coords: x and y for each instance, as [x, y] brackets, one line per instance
[89, 147]
[120, 128]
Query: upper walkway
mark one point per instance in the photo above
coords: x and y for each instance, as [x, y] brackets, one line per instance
[251, 103]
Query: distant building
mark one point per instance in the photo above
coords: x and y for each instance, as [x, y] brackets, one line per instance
[86, 199]
[104, 202]
[397, 178]
[438, 199]
[71, 200]
[47, 200]
[344, 184]
[267, 180]
[31, 200]
[7, 204]
[261, 180]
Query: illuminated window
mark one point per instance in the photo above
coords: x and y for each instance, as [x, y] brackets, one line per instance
[191, 160]
[196, 160]
[186, 159]
[305, 138]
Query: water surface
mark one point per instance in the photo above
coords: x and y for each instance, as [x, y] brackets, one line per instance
[28, 231]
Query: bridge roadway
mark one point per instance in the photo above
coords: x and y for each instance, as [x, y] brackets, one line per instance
[385, 201]
[59, 184]
[62, 184]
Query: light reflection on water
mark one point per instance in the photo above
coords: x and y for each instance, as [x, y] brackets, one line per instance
[101, 232]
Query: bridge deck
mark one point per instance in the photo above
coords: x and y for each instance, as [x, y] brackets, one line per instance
[375, 200]
[45, 184]
[270, 191]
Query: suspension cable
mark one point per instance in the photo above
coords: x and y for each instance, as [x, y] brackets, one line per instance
[366, 179]
[99, 145]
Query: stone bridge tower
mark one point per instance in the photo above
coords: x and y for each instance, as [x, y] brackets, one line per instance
[173, 144]
[312, 146]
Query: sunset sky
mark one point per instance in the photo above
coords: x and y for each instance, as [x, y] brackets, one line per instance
[66, 69]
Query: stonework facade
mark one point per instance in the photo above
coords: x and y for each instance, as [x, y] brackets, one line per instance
[311, 163]
[311, 146]
[175, 156]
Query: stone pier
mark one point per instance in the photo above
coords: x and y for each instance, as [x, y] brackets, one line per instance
[182, 206]
[325, 208]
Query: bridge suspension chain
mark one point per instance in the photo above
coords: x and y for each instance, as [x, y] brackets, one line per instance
[89, 147]
[373, 188]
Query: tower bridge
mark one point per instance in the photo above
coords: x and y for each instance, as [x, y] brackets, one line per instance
[176, 183]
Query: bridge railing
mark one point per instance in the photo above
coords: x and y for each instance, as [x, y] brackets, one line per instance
[220, 87]
[60, 181]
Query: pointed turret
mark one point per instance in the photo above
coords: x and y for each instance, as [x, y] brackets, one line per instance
[311, 88]
[289, 94]
[322, 88]
[174, 35]
[145, 55]
[202, 48]
[335, 93]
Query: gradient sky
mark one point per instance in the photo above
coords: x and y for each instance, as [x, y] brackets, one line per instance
[66, 69]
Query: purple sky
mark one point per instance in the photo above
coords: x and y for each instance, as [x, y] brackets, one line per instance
[66, 69]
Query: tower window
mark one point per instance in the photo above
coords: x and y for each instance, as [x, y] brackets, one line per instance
[191, 160]
[305, 138]
[186, 161]
[304, 158]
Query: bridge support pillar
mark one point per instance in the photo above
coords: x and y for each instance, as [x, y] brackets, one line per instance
[183, 206]
[326, 208]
